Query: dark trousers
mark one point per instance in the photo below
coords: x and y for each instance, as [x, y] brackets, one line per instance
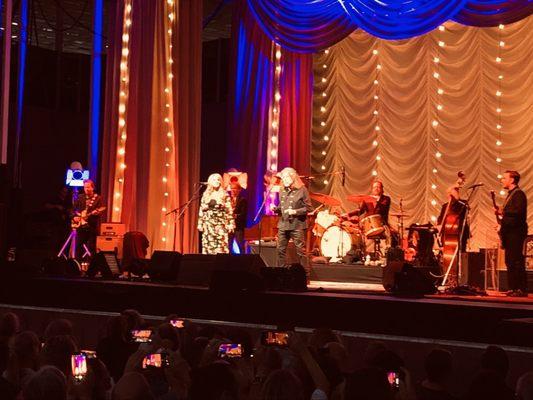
[298, 237]
[238, 235]
[515, 261]
[86, 235]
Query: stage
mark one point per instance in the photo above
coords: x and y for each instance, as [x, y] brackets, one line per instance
[355, 307]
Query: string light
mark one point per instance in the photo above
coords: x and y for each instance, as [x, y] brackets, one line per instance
[375, 112]
[435, 123]
[500, 44]
[167, 142]
[120, 158]
[320, 100]
[272, 156]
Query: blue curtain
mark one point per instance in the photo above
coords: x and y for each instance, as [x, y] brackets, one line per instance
[310, 25]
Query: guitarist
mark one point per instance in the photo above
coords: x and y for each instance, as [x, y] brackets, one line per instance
[513, 232]
[86, 218]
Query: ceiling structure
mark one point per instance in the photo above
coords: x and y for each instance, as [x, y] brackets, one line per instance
[73, 18]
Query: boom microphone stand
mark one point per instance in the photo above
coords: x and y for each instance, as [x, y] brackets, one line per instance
[180, 211]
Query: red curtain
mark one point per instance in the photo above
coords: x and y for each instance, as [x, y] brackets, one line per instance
[142, 194]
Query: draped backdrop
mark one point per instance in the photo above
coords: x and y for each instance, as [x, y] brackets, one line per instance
[151, 144]
[346, 104]
[470, 109]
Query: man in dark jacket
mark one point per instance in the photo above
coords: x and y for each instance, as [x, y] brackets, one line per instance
[293, 207]
[513, 232]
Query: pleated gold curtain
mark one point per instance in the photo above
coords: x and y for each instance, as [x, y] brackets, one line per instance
[414, 112]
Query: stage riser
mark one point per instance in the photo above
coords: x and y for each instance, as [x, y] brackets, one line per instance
[453, 320]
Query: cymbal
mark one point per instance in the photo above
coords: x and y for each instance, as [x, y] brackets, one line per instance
[325, 199]
[399, 215]
[359, 198]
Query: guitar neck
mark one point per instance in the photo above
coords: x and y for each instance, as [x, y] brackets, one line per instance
[493, 197]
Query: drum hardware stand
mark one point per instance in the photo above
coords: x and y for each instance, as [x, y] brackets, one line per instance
[400, 225]
[179, 211]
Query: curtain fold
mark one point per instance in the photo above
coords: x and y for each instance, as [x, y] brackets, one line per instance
[144, 200]
[251, 94]
[311, 25]
[485, 118]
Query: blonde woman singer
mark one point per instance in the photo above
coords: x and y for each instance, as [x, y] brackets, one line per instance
[215, 219]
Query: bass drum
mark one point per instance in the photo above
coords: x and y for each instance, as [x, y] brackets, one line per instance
[337, 242]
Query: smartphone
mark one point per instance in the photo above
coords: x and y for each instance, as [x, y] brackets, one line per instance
[155, 360]
[394, 379]
[90, 354]
[177, 323]
[230, 350]
[275, 338]
[142, 336]
[78, 363]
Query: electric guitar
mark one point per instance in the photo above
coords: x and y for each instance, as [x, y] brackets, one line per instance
[496, 213]
[84, 217]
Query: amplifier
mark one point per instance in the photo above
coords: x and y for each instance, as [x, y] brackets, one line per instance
[112, 229]
[110, 243]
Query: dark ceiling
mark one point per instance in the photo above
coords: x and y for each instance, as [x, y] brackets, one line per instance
[74, 18]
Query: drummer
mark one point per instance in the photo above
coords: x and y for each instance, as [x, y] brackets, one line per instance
[381, 205]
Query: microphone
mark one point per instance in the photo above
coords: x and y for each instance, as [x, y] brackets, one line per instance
[309, 177]
[475, 185]
[343, 175]
[203, 183]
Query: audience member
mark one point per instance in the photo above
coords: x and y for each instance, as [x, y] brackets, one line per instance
[488, 385]
[9, 326]
[46, 384]
[282, 385]
[132, 386]
[438, 367]
[58, 327]
[24, 358]
[524, 387]
[115, 347]
[368, 384]
[57, 352]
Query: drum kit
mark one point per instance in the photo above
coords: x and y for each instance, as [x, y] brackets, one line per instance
[339, 235]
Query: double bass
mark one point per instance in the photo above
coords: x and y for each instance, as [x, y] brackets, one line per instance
[452, 231]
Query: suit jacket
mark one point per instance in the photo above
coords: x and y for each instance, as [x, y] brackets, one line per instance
[514, 218]
[296, 199]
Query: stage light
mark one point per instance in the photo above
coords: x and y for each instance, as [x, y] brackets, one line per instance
[434, 170]
[498, 59]
[498, 110]
[274, 124]
[498, 160]
[326, 51]
[324, 80]
[438, 154]
[374, 173]
[375, 52]
[376, 82]
[376, 112]
[498, 142]
[435, 123]
[325, 182]
[377, 128]
[323, 167]
[433, 202]
[322, 123]
[277, 96]
[378, 158]
[323, 152]
[440, 91]
[436, 75]
[500, 77]
[278, 54]
[433, 186]
[501, 26]
[442, 28]
[498, 93]
[441, 43]
[439, 107]
[436, 60]
[323, 109]
[376, 97]
[326, 138]
[324, 66]
[375, 143]
[378, 66]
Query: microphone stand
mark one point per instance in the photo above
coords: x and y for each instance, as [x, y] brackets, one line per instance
[180, 211]
[259, 212]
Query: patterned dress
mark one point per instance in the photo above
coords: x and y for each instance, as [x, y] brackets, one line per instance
[215, 221]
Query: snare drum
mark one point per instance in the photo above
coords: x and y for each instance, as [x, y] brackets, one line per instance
[337, 242]
[372, 225]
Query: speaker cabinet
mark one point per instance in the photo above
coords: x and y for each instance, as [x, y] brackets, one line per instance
[196, 269]
[269, 252]
[164, 265]
[237, 273]
[403, 278]
[106, 263]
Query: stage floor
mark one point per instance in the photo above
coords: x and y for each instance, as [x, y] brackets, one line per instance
[353, 307]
